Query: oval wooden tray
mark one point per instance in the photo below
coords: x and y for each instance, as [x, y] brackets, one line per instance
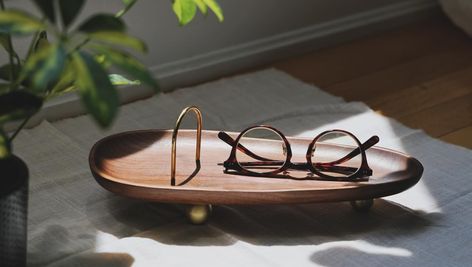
[137, 164]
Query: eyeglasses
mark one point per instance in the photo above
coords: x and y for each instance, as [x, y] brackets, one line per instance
[264, 151]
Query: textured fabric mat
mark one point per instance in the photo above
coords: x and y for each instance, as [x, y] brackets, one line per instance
[75, 222]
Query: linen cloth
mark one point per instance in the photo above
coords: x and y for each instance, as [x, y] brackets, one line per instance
[75, 222]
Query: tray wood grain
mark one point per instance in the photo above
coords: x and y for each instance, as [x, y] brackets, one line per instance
[137, 164]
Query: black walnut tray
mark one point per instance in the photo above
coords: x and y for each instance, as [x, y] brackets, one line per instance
[137, 164]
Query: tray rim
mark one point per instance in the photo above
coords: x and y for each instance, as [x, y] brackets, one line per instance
[106, 180]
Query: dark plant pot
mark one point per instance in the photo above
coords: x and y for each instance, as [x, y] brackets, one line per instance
[13, 211]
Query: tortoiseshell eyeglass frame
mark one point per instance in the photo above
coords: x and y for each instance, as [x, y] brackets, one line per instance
[361, 173]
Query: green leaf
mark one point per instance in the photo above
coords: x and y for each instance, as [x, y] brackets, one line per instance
[69, 10]
[184, 10]
[17, 105]
[47, 8]
[213, 5]
[5, 43]
[65, 83]
[120, 39]
[202, 6]
[129, 64]
[97, 92]
[44, 67]
[19, 22]
[101, 23]
[102, 60]
[118, 80]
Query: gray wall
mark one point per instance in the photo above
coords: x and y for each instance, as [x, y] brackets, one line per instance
[254, 32]
[245, 21]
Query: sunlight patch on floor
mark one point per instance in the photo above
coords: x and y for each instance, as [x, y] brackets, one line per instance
[390, 132]
[364, 246]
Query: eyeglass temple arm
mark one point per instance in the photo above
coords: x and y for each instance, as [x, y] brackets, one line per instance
[300, 166]
[366, 145]
[230, 141]
[326, 165]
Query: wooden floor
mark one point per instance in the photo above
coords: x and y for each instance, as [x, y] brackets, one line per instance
[419, 74]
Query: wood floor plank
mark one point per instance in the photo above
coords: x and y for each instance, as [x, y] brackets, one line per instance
[443, 118]
[398, 77]
[420, 74]
[410, 100]
[462, 137]
[360, 57]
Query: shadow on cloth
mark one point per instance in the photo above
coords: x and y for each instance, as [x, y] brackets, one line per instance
[303, 224]
[56, 238]
[99, 260]
[349, 252]
[310, 224]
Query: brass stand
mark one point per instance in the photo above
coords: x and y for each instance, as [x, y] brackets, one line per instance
[197, 214]
[198, 113]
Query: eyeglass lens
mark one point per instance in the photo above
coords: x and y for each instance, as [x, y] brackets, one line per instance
[261, 150]
[330, 154]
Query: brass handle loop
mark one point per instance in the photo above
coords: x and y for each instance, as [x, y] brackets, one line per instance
[198, 114]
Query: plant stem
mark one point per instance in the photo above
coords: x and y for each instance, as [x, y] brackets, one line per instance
[125, 10]
[13, 69]
[12, 64]
[31, 46]
[5, 145]
[22, 125]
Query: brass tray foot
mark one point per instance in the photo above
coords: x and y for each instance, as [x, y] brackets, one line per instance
[199, 214]
[362, 205]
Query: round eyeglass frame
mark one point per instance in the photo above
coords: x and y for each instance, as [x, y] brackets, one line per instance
[232, 162]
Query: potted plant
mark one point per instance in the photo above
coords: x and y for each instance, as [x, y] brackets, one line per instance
[60, 59]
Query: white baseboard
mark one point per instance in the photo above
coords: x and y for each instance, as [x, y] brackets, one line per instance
[228, 60]
[231, 59]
